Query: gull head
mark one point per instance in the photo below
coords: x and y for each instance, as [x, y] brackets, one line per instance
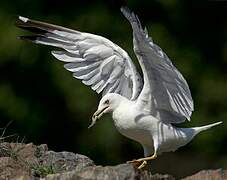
[107, 104]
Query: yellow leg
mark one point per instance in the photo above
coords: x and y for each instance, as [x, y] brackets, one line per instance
[143, 160]
[154, 156]
[142, 165]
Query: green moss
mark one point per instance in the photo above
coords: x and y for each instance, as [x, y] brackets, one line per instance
[41, 170]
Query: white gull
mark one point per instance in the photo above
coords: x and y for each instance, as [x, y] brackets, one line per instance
[143, 109]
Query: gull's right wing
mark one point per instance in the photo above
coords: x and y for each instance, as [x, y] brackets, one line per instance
[95, 60]
[165, 93]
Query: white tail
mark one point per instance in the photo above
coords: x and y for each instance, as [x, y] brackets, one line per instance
[202, 128]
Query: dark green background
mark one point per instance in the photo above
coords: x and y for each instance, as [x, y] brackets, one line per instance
[47, 105]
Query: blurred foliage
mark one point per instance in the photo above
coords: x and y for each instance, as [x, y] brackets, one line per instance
[47, 105]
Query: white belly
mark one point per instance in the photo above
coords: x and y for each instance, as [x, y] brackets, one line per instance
[144, 128]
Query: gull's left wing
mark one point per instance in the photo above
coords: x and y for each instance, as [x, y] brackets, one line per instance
[95, 60]
[165, 93]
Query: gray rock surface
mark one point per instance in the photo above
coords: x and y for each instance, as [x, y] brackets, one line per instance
[119, 172]
[218, 174]
[27, 161]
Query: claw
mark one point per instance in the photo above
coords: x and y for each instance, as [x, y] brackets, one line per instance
[134, 162]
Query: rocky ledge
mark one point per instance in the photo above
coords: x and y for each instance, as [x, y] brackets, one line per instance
[28, 161]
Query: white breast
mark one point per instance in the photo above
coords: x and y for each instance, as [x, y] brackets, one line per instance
[131, 123]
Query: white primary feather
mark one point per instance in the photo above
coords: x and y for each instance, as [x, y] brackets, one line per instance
[165, 93]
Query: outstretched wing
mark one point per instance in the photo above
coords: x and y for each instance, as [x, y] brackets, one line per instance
[165, 93]
[95, 60]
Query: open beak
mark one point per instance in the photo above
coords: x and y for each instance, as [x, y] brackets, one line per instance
[97, 115]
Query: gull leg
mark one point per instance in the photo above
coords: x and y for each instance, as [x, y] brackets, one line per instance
[154, 156]
[137, 161]
[142, 165]
[142, 162]
[138, 164]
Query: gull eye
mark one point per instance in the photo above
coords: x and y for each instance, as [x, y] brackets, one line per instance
[107, 102]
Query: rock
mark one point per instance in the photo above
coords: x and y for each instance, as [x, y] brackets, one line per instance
[65, 161]
[121, 172]
[15, 159]
[20, 161]
[218, 174]
[10, 169]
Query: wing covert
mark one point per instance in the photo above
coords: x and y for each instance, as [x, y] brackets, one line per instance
[95, 60]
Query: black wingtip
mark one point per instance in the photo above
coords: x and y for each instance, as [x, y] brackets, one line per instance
[29, 25]
[28, 38]
[26, 25]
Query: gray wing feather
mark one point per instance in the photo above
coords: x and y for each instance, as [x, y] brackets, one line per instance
[165, 93]
[98, 62]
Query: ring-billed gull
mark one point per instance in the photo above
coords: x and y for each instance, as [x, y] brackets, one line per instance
[144, 110]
